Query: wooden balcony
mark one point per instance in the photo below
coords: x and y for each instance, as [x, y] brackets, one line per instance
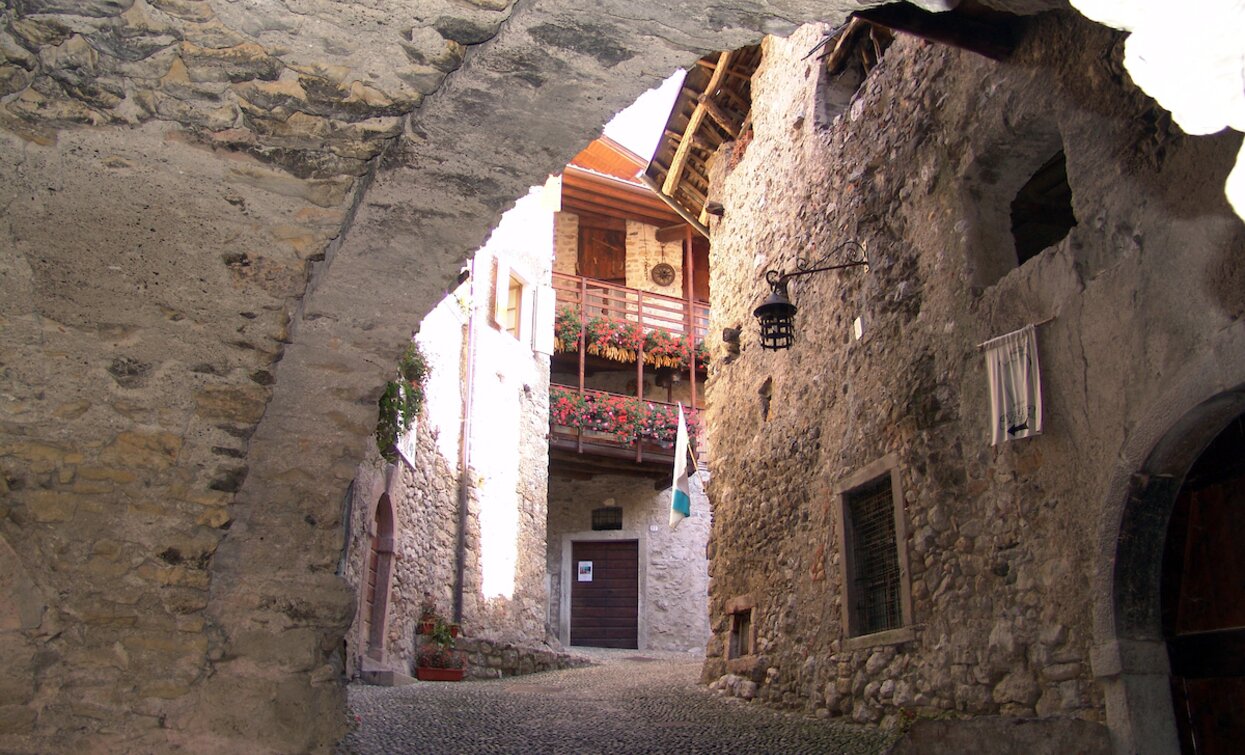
[612, 329]
[577, 450]
[594, 298]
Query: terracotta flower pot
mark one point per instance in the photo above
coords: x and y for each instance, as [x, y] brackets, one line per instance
[426, 627]
[428, 674]
[453, 630]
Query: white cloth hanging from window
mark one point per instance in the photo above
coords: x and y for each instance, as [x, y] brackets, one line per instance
[1015, 385]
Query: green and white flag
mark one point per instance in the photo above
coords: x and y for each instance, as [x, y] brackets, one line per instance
[680, 493]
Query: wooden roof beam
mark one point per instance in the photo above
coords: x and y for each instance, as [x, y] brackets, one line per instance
[719, 115]
[693, 125]
[700, 227]
[993, 37]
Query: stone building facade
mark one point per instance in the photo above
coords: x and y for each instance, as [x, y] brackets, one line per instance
[1022, 589]
[488, 389]
[516, 516]
[673, 571]
[222, 222]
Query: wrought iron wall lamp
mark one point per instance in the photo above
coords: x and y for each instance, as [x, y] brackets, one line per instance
[777, 314]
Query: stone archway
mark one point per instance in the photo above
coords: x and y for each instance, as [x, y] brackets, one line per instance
[215, 245]
[1130, 657]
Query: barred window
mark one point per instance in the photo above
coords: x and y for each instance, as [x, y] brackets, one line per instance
[607, 518]
[875, 599]
[875, 596]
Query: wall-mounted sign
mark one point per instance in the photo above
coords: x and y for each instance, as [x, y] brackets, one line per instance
[585, 571]
[407, 445]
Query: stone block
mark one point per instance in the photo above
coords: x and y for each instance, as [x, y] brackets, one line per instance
[155, 450]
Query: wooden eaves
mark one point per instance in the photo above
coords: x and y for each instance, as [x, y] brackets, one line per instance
[711, 109]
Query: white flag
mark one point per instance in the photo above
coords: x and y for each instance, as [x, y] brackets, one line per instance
[1015, 385]
[680, 492]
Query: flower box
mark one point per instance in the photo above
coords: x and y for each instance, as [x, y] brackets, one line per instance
[428, 674]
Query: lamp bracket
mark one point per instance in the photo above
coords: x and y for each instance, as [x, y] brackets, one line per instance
[777, 279]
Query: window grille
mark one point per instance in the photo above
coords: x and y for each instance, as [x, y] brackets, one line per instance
[875, 558]
[607, 518]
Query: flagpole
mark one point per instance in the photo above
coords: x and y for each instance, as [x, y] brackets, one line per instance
[696, 464]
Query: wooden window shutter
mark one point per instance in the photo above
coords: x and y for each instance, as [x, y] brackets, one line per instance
[543, 321]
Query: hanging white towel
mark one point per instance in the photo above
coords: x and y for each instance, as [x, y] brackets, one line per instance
[1015, 385]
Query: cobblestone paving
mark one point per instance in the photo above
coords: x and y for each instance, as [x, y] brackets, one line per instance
[633, 703]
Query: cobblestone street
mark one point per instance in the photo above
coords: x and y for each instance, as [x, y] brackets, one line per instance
[632, 703]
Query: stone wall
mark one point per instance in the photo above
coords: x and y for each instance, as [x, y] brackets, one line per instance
[566, 243]
[492, 660]
[509, 450]
[505, 487]
[674, 572]
[644, 251]
[1001, 541]
[222, 222]
[425, 503]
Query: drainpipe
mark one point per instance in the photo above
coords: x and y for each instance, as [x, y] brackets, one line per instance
[464, 453]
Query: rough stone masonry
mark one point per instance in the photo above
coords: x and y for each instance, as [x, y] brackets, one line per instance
[221, 219]
[1007, 553]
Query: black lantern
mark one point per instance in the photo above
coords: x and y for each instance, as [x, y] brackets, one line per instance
[777, 318]
[776, 314]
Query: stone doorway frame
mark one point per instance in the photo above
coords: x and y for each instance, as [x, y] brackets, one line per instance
[1129, 656]
[564, 597]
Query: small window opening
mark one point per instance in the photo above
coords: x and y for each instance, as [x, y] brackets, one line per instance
[875, 600]
[741, 634]
[1042, 210]
[512, 314]
[607, 518]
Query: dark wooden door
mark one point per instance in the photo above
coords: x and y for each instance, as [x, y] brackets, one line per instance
[604, 611]
[603, 254]
[1204, 614]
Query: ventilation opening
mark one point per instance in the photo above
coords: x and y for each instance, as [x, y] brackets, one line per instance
[741, 634]
[1042, 210]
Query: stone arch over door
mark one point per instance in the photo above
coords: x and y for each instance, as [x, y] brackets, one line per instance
[377, 578]
[1130, 657]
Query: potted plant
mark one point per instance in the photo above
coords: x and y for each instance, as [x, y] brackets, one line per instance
[439, 663]
[428, 617]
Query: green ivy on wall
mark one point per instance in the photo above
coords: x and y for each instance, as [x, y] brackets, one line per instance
[402, 400]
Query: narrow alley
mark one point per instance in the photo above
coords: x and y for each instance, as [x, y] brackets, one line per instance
[632, 702]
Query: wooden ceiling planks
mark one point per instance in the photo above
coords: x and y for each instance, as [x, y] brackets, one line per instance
[711, 110]
[585, 191]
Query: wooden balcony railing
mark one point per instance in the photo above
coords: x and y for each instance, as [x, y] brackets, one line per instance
[610, 424]
[592, 298]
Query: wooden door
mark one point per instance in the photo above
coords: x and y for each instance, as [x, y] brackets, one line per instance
[1204, 616]
[605, 593]
[603, 254]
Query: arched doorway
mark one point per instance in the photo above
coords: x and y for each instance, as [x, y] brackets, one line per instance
[1167, 627]
[376, 579]
[1203, 597]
